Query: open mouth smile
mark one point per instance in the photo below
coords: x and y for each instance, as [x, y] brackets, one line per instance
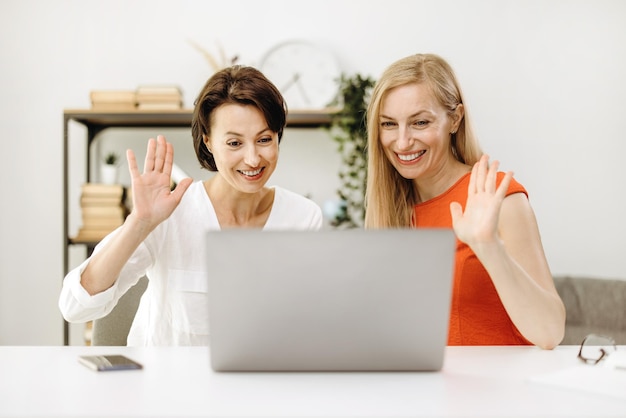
[251, 173]
[410, 157]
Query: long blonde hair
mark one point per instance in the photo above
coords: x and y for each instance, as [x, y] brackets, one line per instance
[389, 197]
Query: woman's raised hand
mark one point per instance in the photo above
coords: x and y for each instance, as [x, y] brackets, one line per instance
[153, 199]
[478, 224]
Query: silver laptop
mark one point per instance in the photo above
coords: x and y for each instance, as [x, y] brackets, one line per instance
[329, 300]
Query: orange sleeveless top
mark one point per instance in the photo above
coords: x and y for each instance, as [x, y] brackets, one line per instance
[477, 316]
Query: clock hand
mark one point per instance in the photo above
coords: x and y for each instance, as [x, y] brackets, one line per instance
[302, 91]
[290, 82]
[296, 80]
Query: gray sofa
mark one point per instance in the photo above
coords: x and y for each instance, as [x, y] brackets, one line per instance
[593, 306]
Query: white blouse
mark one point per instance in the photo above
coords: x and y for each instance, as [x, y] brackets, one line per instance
[174, 308]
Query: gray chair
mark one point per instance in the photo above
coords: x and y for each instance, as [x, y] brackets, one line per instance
[112, 330]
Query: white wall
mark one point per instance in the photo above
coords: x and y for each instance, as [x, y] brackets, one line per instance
[543, 81]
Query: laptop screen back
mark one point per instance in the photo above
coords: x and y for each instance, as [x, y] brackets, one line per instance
[349, 300]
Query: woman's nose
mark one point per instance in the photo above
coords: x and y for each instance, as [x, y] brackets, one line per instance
[405, 139]
[252, 157]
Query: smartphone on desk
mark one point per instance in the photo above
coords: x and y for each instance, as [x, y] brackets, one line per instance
[109, 362]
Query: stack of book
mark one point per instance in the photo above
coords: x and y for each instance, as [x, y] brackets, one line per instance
[159, 98]
[103, 208]
[113, 99]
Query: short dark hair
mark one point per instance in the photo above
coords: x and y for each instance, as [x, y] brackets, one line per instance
[235, 85]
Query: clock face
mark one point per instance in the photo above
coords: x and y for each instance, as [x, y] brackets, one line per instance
[306, 75]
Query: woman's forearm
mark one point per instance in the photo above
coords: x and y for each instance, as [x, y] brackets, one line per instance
[106, 265]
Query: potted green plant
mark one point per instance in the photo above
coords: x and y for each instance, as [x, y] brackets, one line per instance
[109, 170]
[349, 131]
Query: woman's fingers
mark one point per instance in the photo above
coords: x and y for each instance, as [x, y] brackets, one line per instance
[132, 163]
[484, 176]
[471, 187]
[159, 155]
[161, 151]
[150, 153]
[169, 159]
[491, 177]
[504, 185]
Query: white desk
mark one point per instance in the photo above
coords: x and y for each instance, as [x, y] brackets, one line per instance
[178, 381]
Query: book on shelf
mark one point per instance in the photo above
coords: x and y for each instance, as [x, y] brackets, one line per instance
[103, 209]
[109, 223]
[114, 106]
[159, 89]
[113, 96]
[100, 222]
[160, 106]
[90, 200]
[103, 190]
[113, 99]
[91, 234]
[159, 97]
[111, 211]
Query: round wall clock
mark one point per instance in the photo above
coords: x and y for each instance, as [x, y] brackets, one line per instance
[306, 74]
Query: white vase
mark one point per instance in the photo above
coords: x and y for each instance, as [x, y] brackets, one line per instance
[108, 174]
[335, 209]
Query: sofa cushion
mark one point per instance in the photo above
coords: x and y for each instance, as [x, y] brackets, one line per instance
[593, 305]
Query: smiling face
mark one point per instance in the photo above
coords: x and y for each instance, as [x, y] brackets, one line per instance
[245, 149]
[415, 131]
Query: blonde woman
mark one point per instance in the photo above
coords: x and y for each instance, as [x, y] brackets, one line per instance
[426, 169]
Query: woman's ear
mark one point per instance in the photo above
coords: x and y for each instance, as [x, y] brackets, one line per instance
[457, 117]
[207, 143]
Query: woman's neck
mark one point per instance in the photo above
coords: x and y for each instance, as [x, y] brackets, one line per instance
[235, 209]
[436, 184]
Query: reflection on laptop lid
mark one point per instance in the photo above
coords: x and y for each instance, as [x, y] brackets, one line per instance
[350, 300]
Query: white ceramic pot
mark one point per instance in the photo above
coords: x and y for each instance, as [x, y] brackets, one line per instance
[109, 174]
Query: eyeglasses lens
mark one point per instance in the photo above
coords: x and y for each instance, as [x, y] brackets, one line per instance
[596, 347]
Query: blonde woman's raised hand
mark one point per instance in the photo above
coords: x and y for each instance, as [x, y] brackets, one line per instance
[153, 200]
[478, 223]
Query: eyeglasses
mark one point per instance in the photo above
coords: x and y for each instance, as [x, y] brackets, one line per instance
[595, 348]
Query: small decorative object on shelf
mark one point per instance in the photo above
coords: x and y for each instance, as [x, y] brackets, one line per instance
[216, 64]
[109, 170]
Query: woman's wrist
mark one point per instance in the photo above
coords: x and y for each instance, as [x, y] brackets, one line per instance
[140, 228]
